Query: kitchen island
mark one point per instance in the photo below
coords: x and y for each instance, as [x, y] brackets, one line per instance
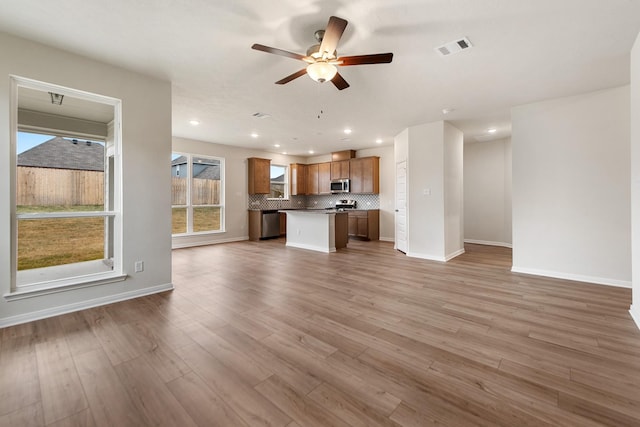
[317, 230]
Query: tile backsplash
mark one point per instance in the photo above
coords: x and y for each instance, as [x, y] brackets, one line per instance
[363, 201]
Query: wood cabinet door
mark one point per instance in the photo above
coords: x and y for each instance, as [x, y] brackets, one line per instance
[355, 175]
[353, 225]
[363, 227]
[298, 178]
[283, 223]
[324, 178]
[364, 174]
[340, 170]
[312, 179]
[259, 175]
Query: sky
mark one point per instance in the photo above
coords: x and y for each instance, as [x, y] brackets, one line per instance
[28, 140]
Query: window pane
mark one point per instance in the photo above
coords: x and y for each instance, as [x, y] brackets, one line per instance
[178, 220]
[178, 180]
[277, 191]
[57, 241]
[206, 219]
[205, 187]
[56, 171]
[278, 182]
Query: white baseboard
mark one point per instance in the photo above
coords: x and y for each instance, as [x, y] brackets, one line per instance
[574, 277]
[387, 239]
[634, 310]
[190, 242]
[426, 256]
[454, 254]
[311, 247]
[83, 305]
[488, 243]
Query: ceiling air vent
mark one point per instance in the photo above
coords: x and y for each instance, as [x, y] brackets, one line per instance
[261, 115]
[454, 47]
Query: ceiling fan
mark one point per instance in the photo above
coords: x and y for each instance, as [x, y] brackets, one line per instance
[323, 58]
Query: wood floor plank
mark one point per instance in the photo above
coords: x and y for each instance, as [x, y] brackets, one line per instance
[204, 406]
[81, 419]
[250, 405]
[303, 410]
[108, 399]
[26, 416]
[150, 396]
[61, 391]
[19, 380]
[78, 332]
[118, 347]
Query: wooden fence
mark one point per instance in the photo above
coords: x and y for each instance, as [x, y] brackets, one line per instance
[63, 187]
[203, 191]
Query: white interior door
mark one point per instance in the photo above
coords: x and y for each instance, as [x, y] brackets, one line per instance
[401, 206]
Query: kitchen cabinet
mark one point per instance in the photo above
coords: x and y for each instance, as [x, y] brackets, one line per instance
[364, 175]
[324, 178]
[364, 224]
[340, 170]
[312, 179]
[259, 175]
[297, 179]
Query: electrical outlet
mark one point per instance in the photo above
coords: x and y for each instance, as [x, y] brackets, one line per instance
[139, 266]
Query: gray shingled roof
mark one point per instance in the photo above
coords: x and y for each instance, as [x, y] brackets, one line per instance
[60, 153]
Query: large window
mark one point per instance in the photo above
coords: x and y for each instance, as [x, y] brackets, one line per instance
[197, 194]
[66, 228]
[279, 183]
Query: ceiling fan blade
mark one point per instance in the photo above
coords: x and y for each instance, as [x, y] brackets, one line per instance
[377, 58]
[277, 51]
[292, 76]
[332, 34]
[339, 82]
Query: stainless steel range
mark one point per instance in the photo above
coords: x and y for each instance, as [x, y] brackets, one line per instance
[343, 205]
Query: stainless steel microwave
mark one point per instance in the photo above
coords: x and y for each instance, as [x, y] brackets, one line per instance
[339, 186]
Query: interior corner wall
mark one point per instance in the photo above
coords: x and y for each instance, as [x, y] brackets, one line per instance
[387, 189]
[453, 191]
[571, 187]
[146, 153]
[487, 192]
[635, 177]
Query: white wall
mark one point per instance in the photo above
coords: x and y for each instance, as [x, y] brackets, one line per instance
[433, 152]
[235, 195]
[571, 186]
[635, 176]
[487, 192]
[146, 150]
[453, 191]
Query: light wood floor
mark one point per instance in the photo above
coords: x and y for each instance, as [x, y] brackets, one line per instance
[257, 334]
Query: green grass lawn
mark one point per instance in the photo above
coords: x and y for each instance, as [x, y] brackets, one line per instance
[58, 241]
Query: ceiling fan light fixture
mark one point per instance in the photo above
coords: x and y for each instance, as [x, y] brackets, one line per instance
[321, 71]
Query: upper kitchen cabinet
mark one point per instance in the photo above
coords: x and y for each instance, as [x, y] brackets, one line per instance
[364, 175]
[340, 170]
[324, 178]
[297, 179]
[259, 175]
[312, 179]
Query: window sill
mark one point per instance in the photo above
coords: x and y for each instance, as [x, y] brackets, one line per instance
[57, 286]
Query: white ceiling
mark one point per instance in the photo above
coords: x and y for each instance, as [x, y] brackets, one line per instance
[524, 51]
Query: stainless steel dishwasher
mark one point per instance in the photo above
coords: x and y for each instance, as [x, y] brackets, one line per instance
[270, 224]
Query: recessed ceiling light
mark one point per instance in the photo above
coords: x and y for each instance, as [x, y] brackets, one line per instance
[276, 145]
[310, 151]
[284, 152]
[347, 131]
[492, 130]
[254, 135]
[194, 122]
[378, 141]
[447, 110]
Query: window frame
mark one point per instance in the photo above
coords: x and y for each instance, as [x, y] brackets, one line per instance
[285, 182]
[188, 175]
[58, 282]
